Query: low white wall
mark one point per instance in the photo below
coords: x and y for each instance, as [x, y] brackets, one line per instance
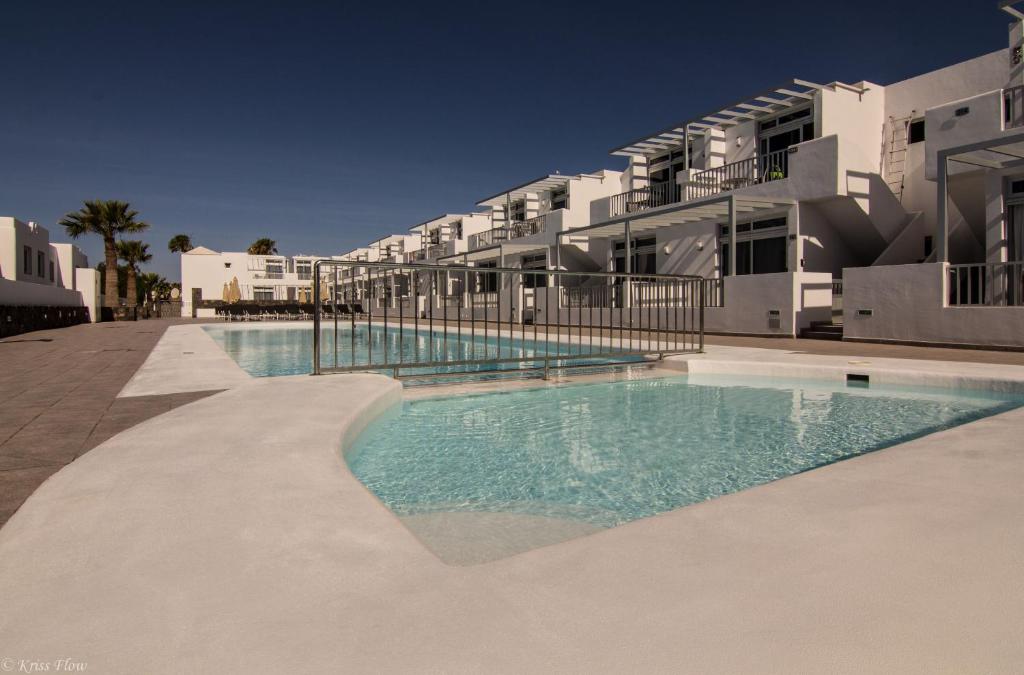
[87, 281]
[908, 304]
[799, 298]
[42, 295]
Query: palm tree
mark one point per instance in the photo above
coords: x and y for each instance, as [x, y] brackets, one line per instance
[153, 286]
[263, 246]
[133, 253]
[180, 243]
[109, 219]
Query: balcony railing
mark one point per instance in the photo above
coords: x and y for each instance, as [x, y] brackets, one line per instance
[642, 295]
[746, 172]
[1013, 107]
[488, 237]
[641, 199]
[436, 250]
[526, 228]
[987, 284]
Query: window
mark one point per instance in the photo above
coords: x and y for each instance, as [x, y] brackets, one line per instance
[26, 260]
[275, 269]
[263, 293]
[761, 247]
[487, 283]
[559, 199]
[535, 262]
[915, 134]
[518, 210]
[457, 229]
[644, 258]
[304, 269]
[40, 265]
[51, 270]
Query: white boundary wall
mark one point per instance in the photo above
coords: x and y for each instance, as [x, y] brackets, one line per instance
[798, 297]
[908, 304]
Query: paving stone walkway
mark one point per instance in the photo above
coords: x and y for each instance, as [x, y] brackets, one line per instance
[58, 398]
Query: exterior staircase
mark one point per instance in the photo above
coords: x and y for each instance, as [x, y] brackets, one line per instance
[823, 330]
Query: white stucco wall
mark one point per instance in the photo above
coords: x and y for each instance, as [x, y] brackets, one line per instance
[799, 297]
[24, 293]
[961, 80]
[15, 235]
[907, 303]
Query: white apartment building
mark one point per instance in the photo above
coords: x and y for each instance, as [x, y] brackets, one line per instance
[447, 235]
[260, 278]
[839, 183]
[895, 211]
[34, 271]
[527, 220]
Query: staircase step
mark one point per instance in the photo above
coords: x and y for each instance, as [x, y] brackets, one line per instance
[821, 335]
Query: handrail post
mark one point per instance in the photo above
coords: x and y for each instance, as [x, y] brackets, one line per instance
[316, 317]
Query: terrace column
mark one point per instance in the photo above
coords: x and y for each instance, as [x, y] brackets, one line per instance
[627, 287]
[942, 222]
[795, 251]
[732, 236]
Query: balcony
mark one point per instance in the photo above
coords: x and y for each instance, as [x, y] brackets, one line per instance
[488, 237]
[526, 228]
[744, 173]
[634, 201]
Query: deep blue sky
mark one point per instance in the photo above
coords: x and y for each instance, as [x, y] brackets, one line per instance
[325, 126]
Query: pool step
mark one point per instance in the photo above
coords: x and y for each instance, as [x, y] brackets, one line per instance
[822, 330]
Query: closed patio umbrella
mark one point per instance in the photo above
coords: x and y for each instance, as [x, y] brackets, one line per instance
[226, 295]
[236, 291]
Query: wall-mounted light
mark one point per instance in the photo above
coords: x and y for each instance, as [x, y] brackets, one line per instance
[700, 244]
[667, 248]
[739, 141]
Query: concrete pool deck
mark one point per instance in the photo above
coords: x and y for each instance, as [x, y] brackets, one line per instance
[229, 535]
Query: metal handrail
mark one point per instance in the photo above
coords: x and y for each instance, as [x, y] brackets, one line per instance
[528, 227]
[641, 199]
[431, 310]
[754, 170]
[999, 284]
[488, 237]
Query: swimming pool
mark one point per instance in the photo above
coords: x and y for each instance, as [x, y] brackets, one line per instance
[273, 351]
[608, 453]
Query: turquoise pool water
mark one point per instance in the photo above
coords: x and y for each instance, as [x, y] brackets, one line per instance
[267, 352]
[613, 452]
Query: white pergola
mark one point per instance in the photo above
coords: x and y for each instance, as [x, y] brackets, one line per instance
[763, 104]
[537, 185]
[724, 208]
[445, 219]
[1003, 152]
[499, 251]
